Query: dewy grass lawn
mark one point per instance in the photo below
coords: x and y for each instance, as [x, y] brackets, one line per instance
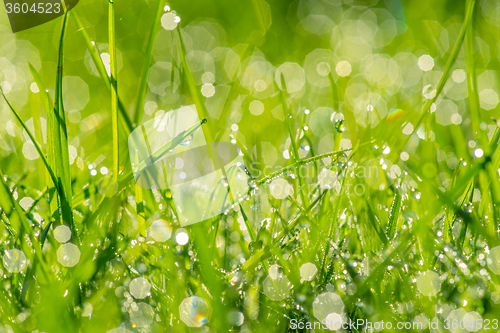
[366, 190]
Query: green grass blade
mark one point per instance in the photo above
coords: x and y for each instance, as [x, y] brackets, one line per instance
[139, 108]
[296, 157]
[472, 81]
[446, 72]
[25, 223]
[114, 87]
[57, 140]
[392, 225]
[94, 54]
[33, 140]
[45, 97]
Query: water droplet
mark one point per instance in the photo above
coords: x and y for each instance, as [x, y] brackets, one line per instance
[194, 311]
[340, 125]
[235, 318]
[187, 140]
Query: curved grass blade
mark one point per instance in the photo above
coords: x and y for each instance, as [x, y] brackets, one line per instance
[139, 108]
[33, 140]
[446, 72]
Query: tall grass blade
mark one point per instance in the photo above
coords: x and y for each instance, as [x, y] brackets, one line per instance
[114, 87]
[33, 140]
[94, 54]
[392, 225]
[139, 108]
[57, 140]
[446, 72]
[296, 157]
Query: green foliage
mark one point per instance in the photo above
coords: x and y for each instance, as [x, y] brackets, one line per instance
[353, 194]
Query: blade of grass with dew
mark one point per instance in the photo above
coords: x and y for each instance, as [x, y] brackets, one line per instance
[466, 197]
[474, 108]
[392, 224]
[33, 140]
[296, 157]
[49, 110]
[263, 253]
[126, 177]
[139, 108]
[375, 223]
[57, 140]
[201, 109]
[26, 225]
[101, 69]
[114, 87]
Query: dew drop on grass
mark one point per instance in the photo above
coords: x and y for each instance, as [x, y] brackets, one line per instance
[428, 283]
[194, 311]
[280, 188]
[340, 125]
[235, 318]
[493, 260]
[308, 271]
[160, 231]
[142, 315]
[62, 233]
[140, 288]
[326, 304]
[14, 260]
[277, 288]
[187, 140]
[68, 255]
